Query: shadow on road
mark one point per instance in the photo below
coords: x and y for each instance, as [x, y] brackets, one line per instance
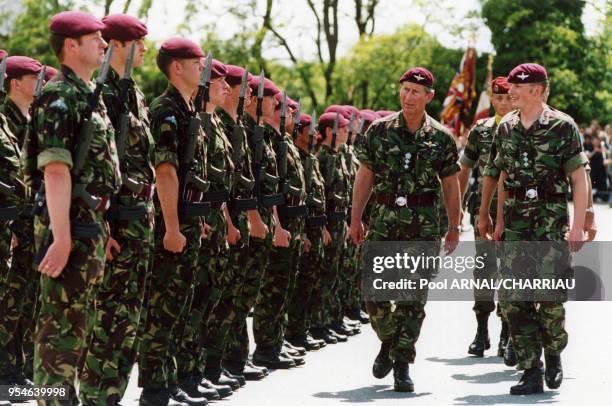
[490, 377]
[369, 394]
[506, 399]
[463, 361]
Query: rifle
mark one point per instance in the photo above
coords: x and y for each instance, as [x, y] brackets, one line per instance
[187, 160]
[347, 154]
[283, 187]
[2, 73]
[331, 162]
[79, 190]
[259, 171]
[359, 132]
[309, 166]
[296, 122]
[237, 139]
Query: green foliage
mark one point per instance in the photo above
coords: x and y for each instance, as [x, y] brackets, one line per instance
[551, 32]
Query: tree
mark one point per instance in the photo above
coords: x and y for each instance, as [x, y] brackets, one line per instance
[549, 32]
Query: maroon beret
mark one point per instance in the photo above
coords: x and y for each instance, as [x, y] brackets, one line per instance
[368, 116]
[500, 85]
[305, 120]
[123, 27]
[181, 48]
[292, 103]
[217, 70]
[17, 66]
[50, 72]
[3, 53]
[336, 108]
[384, 113]
[418, 75]
[234, 74]
[327, 120]
[528, 73]
[74, 24]
[270, 88]
[351, 109]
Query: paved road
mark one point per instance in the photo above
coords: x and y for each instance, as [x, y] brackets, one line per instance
[443, 373]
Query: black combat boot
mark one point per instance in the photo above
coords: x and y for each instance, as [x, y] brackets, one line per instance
[238, 376]
[382, 364]
[263, 370]
[324, 334]
[217, 377]
[510, 358]
[248, 372]
[158, 397]
[530, 383]
[191, 386]
[503, 339]
[300, 349]
[401, 377]
[554, 371]
[363, 317]
[313, 341]
[271, 358]
[223, 390]
[180, 396]
[302, 341]
[481, 341]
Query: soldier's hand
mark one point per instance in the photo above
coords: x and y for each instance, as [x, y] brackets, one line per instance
[327, 239]
[576, 239]
[357, 232]
[233, 235]
[281, 237]
[14, 241]
[589, 226]
[174, 241]
[451, 240]
[259, 230]
[499, 231]
[56, 258]
[485, 226]
[111, 245]
[307, 245]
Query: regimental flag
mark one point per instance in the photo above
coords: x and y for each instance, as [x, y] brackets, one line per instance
[484, 102]
[458, 103]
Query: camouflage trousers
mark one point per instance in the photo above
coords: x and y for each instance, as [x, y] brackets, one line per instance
[399, 323]
[348, 279]
[245, 291]
[171, 285]
[112, 347]
[299, 312]
[325, 304]
[484, 302]
[273, 299]
[353, 299]
[229, 309]
[208, 287]
[67, 309]
[18, 292]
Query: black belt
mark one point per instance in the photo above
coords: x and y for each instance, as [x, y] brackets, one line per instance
[216, 196]
[146, 193]
[273, 200]
[335, 217]
[290, 212]
[128, 213]
[9, 213]
[316, 221]
[243, 204]
[193, 209]
[102, 207]
[394, 200]
[531, 194]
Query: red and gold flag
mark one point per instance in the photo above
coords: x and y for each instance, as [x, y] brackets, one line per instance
[457, 106]
[484, 101]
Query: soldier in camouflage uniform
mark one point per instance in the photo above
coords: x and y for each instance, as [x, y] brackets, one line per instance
[311, 261]
[224, 316]
[476, 153]
[73, 223]
[275, 286]
[212, 260]
[407, 158]
[536, 150]
[112, 350]
[337, 183]
[20, 288]
[179, 224]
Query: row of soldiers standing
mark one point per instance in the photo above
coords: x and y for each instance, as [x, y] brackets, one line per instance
[212, 198]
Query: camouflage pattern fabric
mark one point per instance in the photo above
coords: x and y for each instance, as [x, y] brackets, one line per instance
[112, 349]
[172, 282]
[405, 164]
[541, 157]
[476, 154]
[301, 304]
[272, 302]
[67, 301]
[212, 262]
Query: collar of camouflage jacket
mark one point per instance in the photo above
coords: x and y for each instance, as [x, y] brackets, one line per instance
[72, 77]
[426, 126]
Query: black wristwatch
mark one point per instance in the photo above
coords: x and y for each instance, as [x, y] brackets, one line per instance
[454, 228]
